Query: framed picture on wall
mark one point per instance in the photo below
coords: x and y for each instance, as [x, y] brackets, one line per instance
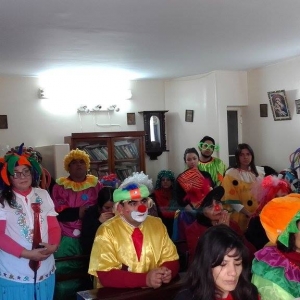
[3, 122]
[279, 106]
[130, 118]
[297, 102]
[263, 110]
[189, 115]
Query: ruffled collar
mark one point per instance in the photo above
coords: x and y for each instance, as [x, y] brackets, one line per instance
[67, 183]
[273, 257]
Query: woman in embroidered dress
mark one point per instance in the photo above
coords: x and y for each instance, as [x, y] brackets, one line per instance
[72, 196]
[26, 259]
[238, 182]
[220, 270]
[276, 268]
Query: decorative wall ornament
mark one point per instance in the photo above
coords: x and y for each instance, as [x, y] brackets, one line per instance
[297, 102]
[189, 115]
[263, 110]
[279, 105]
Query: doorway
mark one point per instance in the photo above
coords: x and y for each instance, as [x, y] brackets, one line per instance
[234, 122]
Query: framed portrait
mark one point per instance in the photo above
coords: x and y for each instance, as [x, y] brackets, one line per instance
[189, 115]
[279, 105]
[130, 118]
[3, 122]
[263, 110]
[297, 102]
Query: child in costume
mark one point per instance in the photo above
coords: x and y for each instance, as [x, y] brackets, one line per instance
[276, 268]
[72, 196]
[29, 231]
[133, 249]
[213, 165]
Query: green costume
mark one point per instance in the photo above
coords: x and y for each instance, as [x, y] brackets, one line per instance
[216, 168]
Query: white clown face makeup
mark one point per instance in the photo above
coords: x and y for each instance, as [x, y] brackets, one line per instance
[134, 212]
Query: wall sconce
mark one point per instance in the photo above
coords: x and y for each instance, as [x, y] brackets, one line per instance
[97, 108]
[155, 137]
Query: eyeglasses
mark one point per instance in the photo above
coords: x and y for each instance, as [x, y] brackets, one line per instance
[25, 173]
[205, 146]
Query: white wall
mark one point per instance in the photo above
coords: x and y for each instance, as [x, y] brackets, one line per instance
[273, 141]
[31, 123]
[208, 95]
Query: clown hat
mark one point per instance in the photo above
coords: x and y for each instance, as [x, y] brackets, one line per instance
[278, 213]
[215, 194]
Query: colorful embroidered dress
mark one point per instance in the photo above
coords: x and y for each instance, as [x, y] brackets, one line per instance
[19, 226]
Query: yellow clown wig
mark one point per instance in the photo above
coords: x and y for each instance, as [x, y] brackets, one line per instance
[76, 154]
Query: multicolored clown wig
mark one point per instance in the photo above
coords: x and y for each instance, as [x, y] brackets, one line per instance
[136, 187]
[164, 174]
[19, 158]
[76, 154]
[279, 218]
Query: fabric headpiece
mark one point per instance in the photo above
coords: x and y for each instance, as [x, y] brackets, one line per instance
[195, 185]
[277, 217]
[13, 159]
[164, 174]
[76, 154]
[110, 180]
[215, 194]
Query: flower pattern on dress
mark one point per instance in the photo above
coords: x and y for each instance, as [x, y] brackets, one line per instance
[26, 232]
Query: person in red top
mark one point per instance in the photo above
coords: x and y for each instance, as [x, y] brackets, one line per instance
[220, 269]
[211, 213]
[164, 198]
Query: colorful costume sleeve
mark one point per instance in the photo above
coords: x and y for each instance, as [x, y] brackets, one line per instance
[274, 275]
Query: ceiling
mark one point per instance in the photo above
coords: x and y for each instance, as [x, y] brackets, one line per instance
[149, 39]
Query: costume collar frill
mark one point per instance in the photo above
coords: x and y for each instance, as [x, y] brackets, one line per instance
[280, 268]
[67, 183]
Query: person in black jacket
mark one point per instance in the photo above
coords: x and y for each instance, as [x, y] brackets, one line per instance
[96, 215]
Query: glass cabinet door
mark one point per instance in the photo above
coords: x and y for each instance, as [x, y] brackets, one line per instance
[98, 150]
[126, 156]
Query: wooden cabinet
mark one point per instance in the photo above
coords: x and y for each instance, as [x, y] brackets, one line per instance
[121, 153]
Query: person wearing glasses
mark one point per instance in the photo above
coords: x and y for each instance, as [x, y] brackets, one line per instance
[213, 165]
[29, 231]
[133, 249]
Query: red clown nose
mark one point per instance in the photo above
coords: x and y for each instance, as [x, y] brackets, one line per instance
[142, 208]
[217, 207]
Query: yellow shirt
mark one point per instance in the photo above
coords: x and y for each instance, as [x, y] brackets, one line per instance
[113, 246]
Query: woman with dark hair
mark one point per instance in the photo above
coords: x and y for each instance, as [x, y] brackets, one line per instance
[96, 215]
[29, 231]
[192, 185]
[238, 182]
[164, 198]
[211, 213]
[276, 268]
[220, 269]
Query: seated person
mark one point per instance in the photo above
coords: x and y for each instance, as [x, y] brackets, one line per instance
[211, 213]
[133, 249]
[164, 198]
[276, 268]
[95, 216]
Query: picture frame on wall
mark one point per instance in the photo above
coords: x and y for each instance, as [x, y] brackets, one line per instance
[130, 118]
[3, 122]
[279, 105]
[189, 115]
[297, 102]
[263, 110]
